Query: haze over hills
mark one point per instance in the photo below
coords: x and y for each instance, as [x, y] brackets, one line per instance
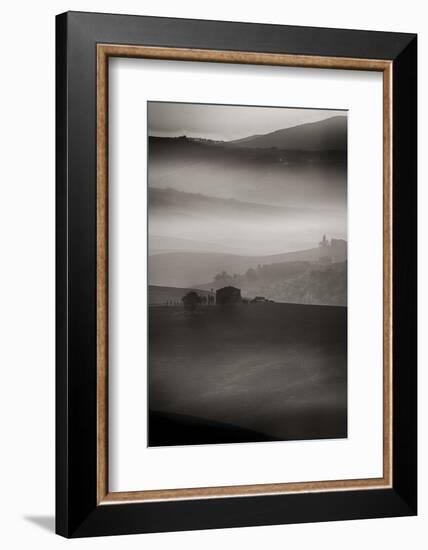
[231, 205]
[161, 244]
[326, 135]
[244, 227]
[254, 172]
[227, 122]
[255, 198]
[187, 269]
[182, 202]
[290, 282]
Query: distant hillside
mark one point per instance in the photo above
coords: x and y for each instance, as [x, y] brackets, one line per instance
[185, 269]
[325, 135]
[324, 141]
[291, 282]
[159, 244]
[315, 284]
[166, 200]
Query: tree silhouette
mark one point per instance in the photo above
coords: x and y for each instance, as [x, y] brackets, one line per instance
[223, 277]
[191, 300]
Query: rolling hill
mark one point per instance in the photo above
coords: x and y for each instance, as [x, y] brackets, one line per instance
[160, 244]
[186, 269]
[326, 135]
[278, 371]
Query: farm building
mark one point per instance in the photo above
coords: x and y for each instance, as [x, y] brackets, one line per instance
[261, 300]
[228, 295]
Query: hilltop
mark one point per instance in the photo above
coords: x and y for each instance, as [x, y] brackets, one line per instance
[326, 135]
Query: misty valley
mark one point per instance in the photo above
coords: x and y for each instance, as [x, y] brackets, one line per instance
[247, 281]
[316, 280]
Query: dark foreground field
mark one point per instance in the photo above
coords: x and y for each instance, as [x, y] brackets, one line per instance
[259, 372]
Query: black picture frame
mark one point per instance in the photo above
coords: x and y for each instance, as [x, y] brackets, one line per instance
[78, 513]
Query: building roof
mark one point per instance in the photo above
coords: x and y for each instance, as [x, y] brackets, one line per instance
[229, 288]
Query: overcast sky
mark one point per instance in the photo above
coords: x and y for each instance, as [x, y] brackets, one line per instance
[225, 122]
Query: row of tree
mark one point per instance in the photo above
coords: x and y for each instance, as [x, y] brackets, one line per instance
[191, 300]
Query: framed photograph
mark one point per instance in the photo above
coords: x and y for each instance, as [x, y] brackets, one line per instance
[236, 274]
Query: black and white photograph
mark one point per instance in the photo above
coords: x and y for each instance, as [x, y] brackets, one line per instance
[247, 274]
[212, 301]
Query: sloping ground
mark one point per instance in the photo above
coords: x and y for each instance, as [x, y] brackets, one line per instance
[277, 370]
[178, 429]
[182, 269]
[326, 135]
[292, 282]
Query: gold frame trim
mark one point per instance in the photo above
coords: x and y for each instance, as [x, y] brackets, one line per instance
[104, 51]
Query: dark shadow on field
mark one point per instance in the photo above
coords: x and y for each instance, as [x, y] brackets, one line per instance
[264, 372]
[178, 429]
